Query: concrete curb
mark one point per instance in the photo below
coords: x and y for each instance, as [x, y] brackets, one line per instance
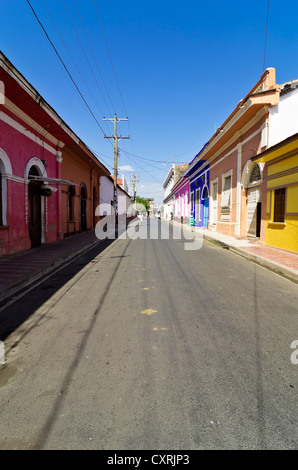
[43, 273]
[277, 268]
[290, 274]
[23, 285]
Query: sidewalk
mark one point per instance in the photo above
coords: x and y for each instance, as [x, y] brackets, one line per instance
[280, 261]
[21, 270]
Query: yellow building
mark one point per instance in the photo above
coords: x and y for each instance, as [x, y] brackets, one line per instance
[281, 162]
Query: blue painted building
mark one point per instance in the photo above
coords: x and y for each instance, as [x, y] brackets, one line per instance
[198, 175]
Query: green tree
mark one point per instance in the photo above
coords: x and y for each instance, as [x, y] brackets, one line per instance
[143, 201]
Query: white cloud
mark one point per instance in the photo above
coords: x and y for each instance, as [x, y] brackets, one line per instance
[154, 190]
[126, 168]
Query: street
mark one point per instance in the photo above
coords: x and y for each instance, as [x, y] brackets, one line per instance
[141, 344]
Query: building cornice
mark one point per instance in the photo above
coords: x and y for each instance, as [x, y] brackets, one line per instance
[263, 95]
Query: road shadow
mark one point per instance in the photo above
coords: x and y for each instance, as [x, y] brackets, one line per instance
[16, 313]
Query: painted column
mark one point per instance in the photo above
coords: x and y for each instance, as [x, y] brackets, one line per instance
[238, 194]
[59, 160]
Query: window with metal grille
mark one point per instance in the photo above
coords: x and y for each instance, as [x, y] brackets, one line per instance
[226, 192]
[279, 205]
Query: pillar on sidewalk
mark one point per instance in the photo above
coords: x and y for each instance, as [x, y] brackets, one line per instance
[59, 160]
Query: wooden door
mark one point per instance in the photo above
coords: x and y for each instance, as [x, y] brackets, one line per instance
[253, 198]
[34, 213]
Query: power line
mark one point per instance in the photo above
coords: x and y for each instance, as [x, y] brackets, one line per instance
[93, 54]
[113, 68]
[84, 52]
[64, 66]
[115, 137]
[147, 164]
[96, 152]
[65, 45]
[266, 36]
[110, 56]
[143, 170]
[99, 156]
[134, 182]
[134, 163]
[147, 159]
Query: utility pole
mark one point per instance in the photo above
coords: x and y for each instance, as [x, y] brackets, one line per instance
[116, 138]
[134, 185]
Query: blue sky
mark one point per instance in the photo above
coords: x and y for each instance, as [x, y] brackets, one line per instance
[176, 69]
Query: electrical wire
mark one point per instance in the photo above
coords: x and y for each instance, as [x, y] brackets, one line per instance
[142, 170]
[93, 55]
[99, 156]
[77, 88]
[65, 45]
[86, 57]
[80, 93]
[113, 68]
[64, 66]
[150, 159]
[266, 36]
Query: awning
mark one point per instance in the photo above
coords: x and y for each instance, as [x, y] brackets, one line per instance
[45, 179]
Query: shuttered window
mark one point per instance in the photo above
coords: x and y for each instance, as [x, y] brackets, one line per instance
[198, 215]
[279, 205]
[226, 192]
[191, 202]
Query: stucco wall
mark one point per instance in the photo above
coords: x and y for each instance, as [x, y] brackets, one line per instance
[283, 120]
[182, 199]
[20, 150]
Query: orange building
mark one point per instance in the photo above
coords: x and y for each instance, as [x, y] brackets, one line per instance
[79, 201]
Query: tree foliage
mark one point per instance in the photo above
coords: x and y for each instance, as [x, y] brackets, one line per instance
[143, 201]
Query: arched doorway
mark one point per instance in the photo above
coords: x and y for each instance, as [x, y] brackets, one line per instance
[205, 197]
[83, 208]
[253, 184]
[34, 208]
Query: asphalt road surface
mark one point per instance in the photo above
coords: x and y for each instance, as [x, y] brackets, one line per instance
[141, 344]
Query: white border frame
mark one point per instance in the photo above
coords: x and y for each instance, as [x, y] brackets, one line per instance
[6, 165]
[211, 209]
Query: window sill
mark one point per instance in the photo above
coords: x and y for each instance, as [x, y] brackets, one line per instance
[225, 209]
[4, 227]
[276, 224]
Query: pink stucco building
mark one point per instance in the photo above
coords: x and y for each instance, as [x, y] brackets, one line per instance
[237, 190]
[49, 179]
[30, 156]
[181, 205]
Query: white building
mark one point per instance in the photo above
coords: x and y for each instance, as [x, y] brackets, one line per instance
[283, 118]
[175, 173]
[107, 196]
